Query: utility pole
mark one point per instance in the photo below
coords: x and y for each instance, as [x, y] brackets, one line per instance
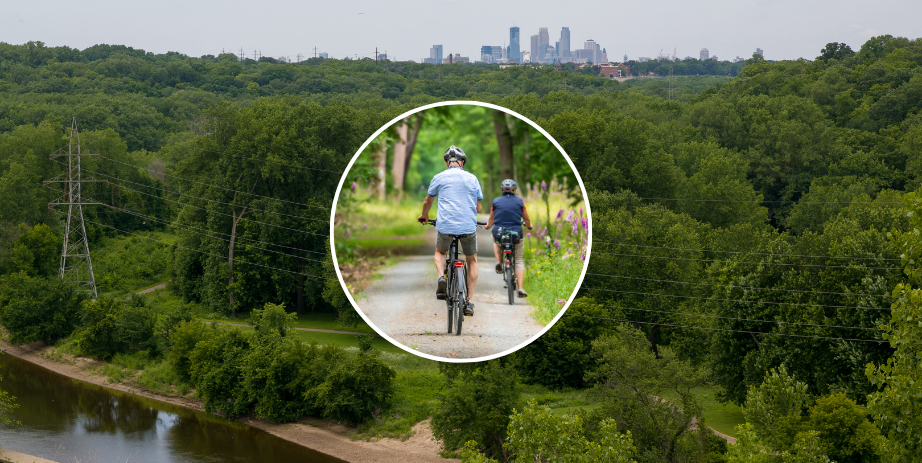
[376, 55]
[315, 51]
[76, 266]
[241, 54]
[300, 56]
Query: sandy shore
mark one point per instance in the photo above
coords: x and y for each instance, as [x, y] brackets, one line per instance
[320, 435]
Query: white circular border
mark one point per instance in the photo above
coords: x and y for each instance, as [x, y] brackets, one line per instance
[349, 294]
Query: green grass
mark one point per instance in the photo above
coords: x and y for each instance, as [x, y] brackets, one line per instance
[126, 264]
[721, 416]
[417, 385]
[159, 377]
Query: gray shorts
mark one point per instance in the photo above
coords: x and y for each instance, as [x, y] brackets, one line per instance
[468, 243]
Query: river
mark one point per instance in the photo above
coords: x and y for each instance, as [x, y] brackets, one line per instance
[67, 420]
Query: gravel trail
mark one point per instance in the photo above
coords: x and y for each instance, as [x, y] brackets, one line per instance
[402, 304]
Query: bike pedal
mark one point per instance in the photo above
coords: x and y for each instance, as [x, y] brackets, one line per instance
[440, 297]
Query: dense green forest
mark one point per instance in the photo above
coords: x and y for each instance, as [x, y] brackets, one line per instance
[756, 236]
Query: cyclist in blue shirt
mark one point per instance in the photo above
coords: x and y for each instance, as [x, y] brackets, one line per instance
[459, 202]
[507, 213]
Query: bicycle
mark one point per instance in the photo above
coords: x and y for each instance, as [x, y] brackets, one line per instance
[456, 289]
[508, 239]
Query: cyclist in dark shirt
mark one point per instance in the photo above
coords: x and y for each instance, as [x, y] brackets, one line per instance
[507, 213]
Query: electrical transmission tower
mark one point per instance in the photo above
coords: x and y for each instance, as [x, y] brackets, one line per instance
[76, 266]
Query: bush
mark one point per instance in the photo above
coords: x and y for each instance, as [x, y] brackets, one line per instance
[217, 365]
[37, 308]
[182, 342]
[475, 405]
[561, 357]
[99, 337]
[355, 390]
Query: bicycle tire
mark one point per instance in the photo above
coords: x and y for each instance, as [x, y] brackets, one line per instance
[510, 282]
[449, 290]
[460, 299]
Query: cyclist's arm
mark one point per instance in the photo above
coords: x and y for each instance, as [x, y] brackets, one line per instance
[427, 204]
[479, 207]
[526, 218]
[490, 220]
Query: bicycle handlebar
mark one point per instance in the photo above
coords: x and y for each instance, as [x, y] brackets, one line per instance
[432, 222]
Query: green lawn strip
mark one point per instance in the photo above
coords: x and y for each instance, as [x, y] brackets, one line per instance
[721, 416]
[343, 340]
[384, 243]
[414, 401]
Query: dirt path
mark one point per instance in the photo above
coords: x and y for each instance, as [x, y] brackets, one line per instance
[300, 329]
[321, 435]
[402, 304]
[152, 289]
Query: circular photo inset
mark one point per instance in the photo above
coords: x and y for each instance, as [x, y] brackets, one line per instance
[460, 231]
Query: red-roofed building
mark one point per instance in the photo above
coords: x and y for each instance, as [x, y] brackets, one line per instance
[614, 71]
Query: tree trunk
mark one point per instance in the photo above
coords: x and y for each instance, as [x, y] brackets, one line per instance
[381, 166]
[399, 169]
[504, 141]
[230, 259]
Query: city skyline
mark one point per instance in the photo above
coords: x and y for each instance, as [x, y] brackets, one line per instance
[405, 30]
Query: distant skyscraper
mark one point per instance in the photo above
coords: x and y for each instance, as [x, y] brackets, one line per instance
[514, 53]
[497, 52]
[593, 51]
[604, 58]
[563, 50]
[704, 54]
[543, 39]
[486, 50]
[625, 57]
[759, 52]
[534, 49]
[435, 54]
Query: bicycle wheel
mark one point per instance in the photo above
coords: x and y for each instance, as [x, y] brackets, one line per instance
[460, 299]
[510, 282]
[449, 302]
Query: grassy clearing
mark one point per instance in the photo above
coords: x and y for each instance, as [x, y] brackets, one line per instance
[721, 416]
[417, 384]
[126, 264]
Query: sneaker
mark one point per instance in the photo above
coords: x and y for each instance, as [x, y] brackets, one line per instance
[469, 309]
[522, 293]
[499, 268]
[440, 290]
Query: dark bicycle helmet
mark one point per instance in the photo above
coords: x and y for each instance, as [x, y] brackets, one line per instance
[508, 185]
[455, 154]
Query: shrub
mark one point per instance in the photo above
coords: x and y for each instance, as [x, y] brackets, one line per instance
[182, 341]
[476, 405]
[354, 390]
[37, 308]
[99, 336]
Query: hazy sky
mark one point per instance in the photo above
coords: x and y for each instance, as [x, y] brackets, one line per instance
[784, 29]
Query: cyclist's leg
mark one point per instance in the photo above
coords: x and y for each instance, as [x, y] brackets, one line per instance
[498, 253]
[441, 252]
[520, 265]
[469, 246]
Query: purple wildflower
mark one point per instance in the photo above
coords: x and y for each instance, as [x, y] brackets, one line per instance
[562, 301]
[557, 244]
[581, 211]
[353, 187]
[569, 215]
[560, 214]
[347, 234]
[585, 223]
[422, 187]
[584, 256]
[543, 186]
[575, 229]
[366, 227]
[528, 236]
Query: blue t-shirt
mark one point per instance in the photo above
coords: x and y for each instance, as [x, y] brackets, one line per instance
[458, 192]
[507, 212]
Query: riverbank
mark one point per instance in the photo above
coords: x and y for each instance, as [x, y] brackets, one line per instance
[321, 435]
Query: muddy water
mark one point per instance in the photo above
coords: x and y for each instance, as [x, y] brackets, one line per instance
[66, 420]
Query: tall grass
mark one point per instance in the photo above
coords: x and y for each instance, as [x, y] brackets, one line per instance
[555, 251]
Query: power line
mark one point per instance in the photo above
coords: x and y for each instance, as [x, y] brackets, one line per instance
[728, 330]
[736, 286]
[744, 252]
[782, 201]
[215, 186]
[222, 213]
[739, 301]
[740, 319]
[274, 162]
[190, 228]
[745, 262]
[211, 254]
[205, 199]
[215, 237]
